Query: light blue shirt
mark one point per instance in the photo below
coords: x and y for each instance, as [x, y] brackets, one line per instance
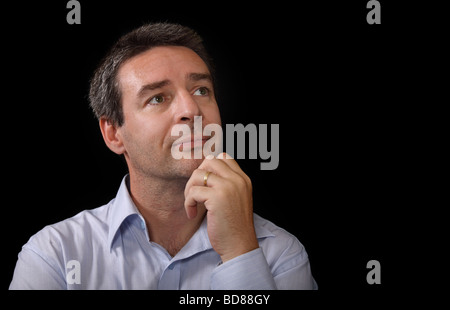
[108, 248]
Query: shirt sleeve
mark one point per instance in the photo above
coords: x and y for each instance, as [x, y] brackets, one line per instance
[291, 269]
[283, 265]
[248, 271]
[298, 277]
[33, 272]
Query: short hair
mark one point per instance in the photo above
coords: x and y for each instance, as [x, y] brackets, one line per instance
[105, 95]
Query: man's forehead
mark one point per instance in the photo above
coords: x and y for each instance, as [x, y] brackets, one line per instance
[159, 63]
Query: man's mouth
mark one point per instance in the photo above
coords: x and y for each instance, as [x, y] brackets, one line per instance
[191, 142]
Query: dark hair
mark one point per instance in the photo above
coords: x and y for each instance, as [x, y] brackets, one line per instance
[104, 93]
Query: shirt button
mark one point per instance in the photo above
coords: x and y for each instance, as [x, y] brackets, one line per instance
[171, 266]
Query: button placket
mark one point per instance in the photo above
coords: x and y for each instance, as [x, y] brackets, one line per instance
[170, 279]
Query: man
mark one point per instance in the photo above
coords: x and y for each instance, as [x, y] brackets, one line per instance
[175, 223]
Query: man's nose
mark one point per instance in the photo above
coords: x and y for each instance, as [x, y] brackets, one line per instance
[186, 108]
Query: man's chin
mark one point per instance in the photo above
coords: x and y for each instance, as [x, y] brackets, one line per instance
[186, 167]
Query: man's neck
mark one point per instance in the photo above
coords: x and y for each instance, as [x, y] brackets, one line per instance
[161, 203]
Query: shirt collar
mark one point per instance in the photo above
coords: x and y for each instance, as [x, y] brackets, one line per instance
[121, 208]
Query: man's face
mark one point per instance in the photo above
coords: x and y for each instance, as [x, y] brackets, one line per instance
[161, 88]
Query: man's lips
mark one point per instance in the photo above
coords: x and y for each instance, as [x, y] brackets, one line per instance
[191, 142]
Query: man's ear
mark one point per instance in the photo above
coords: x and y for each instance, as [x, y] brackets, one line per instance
[112, 136]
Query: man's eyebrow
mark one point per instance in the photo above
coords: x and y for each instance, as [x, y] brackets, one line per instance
[160, 84]
[199, 76]
[153, 86]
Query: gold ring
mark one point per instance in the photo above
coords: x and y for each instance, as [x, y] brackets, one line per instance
[205, 178]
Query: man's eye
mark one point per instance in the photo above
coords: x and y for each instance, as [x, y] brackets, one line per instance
[202, 91]
[158, 99]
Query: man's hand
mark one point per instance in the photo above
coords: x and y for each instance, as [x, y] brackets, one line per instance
[228, 200]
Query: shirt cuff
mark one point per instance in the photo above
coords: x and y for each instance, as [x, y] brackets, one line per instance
[248, 271]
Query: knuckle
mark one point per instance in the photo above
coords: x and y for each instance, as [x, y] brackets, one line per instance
[245, 181]
[248, 181]
[241, 182]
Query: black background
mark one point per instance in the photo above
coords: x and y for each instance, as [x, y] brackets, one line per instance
[332, 82]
